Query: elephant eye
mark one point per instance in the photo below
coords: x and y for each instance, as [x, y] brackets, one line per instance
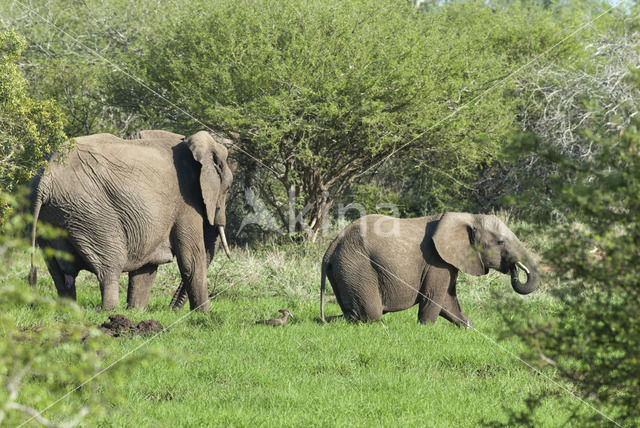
[501, 243]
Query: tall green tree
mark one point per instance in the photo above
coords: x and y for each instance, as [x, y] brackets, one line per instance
[321, 91]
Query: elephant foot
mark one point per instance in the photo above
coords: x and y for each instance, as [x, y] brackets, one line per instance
[464, 322]
[109, 303]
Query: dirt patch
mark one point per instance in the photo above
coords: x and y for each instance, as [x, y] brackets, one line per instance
[119, 325]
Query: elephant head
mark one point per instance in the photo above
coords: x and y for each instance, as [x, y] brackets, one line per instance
[476, 243]
[215, 178]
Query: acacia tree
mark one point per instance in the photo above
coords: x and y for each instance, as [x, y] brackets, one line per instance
[320, 91]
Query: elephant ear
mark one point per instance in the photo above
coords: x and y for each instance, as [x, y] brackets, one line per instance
[201, 145]
[453, 240]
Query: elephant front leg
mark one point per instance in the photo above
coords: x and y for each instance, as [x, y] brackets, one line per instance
[456, 316]
[140, 284]
[193, 268]
[195, 278]
[211, 246]
[428, 311]
[432, 294]
[451, 310]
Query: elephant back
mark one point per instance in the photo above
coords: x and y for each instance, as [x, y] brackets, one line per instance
[153, 134]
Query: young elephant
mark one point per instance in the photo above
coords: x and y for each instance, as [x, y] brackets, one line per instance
[129, 207]
[382, 264]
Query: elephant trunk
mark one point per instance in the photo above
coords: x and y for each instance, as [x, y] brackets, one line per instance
[223, 239]
[531, 270]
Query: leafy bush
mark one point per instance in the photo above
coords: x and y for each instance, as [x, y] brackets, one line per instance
[561, 101]
[593, 340]
[48, 356]
[29, 129]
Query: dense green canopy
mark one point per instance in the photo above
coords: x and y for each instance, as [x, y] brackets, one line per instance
[322, 91]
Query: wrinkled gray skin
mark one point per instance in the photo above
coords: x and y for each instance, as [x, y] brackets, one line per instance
[128, 206]
[382, 264]
[140, 285]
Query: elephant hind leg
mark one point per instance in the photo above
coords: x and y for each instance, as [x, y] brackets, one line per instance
[371, 309]
[63, 271]
[356, 291]
[332, 318]
[140, 284]
[64, 281]
[362, 308]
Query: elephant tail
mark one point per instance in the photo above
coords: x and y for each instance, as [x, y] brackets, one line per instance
[323, 282]
[33, 272]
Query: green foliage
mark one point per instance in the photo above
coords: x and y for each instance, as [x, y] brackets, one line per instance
[69, 57]
[320, 91]
[46, 352]
[317, 90]
[29, 129]
[376, 199]
[564, 102]
[593, 342]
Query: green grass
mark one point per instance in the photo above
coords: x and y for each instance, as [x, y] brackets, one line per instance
[221, 369]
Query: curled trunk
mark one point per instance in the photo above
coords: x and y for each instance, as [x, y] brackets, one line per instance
[533, 278]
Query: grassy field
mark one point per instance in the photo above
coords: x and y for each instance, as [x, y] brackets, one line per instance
[221, 369]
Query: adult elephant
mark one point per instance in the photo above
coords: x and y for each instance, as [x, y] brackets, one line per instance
[382, 264]
[139, 288]
[128, 207]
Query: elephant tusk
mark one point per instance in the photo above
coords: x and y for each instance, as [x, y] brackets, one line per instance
[223, 238]
[523, 267]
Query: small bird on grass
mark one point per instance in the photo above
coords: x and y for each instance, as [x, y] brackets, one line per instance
[277, 322]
